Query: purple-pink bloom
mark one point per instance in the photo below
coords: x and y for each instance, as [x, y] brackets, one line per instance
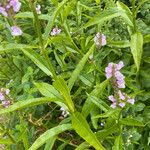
[6, 103]
[100, 39]
[131, 101]
[119, 65]
[55, 31]
[113, 105]
[121, 95]
[3, 11]
[2, 96]
[16, 31]
[7, 91]
[15, 4]
[109, 70]
[121, 104]
[120, 79]
[111, 98]
[38, 9]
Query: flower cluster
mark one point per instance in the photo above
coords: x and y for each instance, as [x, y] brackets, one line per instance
[4, 97]
[55, 31]
[120, 99]
[113, 71]
[100, 39]
[15, 5]
[117, 79]
[9, 9]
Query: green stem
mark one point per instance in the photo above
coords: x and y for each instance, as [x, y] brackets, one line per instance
[134, 15]
[37, 25]
[42, 48]
[62, 140]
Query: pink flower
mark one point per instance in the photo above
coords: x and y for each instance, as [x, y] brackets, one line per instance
[121, 104]
[38, 9]
[109, 70]
[15, 4]
[113, 105]
[2, 96]
[111, 98]
[120, 79]
[16, 31]
[131, 101]
[6, 103]
[100, 39]
[103, 40]
[3, 11]
[121, 95]
[119, 65]
[7, 91]
[55, 31]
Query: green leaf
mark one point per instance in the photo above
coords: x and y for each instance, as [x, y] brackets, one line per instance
[79, 67]
[118, 143]
[98, 2]
[52, 19]
[27, 103]
[38, 60]
[30, 15]
[81, 126]
[119, 44]
[99, 103]
[136, 46]
[83, 146]
[6, 141]
[48, 90]
[12, 46]
[109, 113]
[49, 134]
[101, 18]
[50, 142]
[97, 92]
[62, 87]
[146, 38]
[131, 122]
[127, 14]
[102, 134]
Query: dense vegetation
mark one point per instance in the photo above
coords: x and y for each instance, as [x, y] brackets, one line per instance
[75, 74]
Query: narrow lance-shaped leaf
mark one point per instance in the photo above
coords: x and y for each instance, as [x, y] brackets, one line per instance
[127, 14]
[48, 90]
[104, 16]
[13, 46]
[81, 126]
[62, 87]
[118, 143]
[79, 68]
[83, 146]
[37, 59]
[48, 134]
[89, 105]
[50, 143]
[136, 46]
[30, 15]
[131, 122]
[27, 103]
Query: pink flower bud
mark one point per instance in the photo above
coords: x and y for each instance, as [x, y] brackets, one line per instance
[16, 31]
[55, 31]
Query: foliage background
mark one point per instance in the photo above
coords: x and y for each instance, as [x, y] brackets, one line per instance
[23, 62]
